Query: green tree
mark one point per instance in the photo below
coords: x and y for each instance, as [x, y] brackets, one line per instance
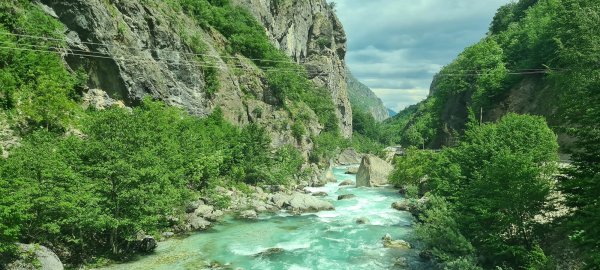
[577, 37]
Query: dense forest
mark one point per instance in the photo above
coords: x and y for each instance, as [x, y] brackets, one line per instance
[494, 184]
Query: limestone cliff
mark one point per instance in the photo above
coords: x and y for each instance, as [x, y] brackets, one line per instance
[131, 49]
[310, 33]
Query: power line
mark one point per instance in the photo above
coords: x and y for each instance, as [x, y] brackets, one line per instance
[192, 63]
[84, 53]
[137, 48]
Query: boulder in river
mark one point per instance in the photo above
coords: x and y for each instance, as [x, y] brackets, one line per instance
[346, 197]
[388, 242]
[43, 258]
[401, 205]
[300, 203]
[248, 214]
[362, 220]
[269, 252]
[373, 172]
[348, 157]
[347, 183]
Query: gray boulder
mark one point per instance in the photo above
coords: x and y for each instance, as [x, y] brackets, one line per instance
[300, 203]
[42, 258]
[248, 214]
[348, 157]
[373, 172]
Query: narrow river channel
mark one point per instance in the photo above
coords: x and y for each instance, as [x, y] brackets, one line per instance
[325, 240]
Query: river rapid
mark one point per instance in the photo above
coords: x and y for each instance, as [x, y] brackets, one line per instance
[325, 240]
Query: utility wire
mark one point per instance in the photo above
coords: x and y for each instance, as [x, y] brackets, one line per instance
[137, 48]
[225, 66]
[209, 64]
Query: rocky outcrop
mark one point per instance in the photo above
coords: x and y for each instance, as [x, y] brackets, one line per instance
[35, 257]
[310, 33]
[348, 157]
[373, 172]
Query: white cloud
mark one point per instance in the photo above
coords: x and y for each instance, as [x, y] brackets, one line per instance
[398, 45]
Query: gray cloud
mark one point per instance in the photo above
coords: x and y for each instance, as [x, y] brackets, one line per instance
[396, 46]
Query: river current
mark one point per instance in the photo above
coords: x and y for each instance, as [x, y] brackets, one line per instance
[325, 240]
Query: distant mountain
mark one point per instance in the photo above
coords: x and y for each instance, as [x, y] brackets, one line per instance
[362, 98]
[391, 112]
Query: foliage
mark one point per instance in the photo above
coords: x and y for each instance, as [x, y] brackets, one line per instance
[490, 187]
[131, 170]
[35, 86]
[442, 233]
[577, 37]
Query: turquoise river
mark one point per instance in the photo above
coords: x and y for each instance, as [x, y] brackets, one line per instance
[325, 240]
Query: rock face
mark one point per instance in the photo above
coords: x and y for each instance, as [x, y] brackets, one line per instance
[147, 53]
[310, 32]
[46, 259]
[373, 172]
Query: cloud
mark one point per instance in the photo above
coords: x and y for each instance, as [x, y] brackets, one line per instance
[398, 45]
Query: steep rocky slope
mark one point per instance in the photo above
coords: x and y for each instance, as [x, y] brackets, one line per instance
[131, 49]
[310, 33]
[363, 98]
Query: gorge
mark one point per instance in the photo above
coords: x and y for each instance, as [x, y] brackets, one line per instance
[231, 134]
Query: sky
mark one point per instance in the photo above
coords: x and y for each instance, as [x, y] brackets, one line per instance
[396, 46]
